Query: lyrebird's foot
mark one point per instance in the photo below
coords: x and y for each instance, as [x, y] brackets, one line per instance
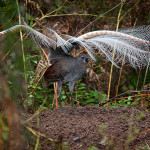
[59, 108]
[52, 108]
[75, 112]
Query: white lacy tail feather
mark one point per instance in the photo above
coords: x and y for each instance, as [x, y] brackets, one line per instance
[128, 48]
[39, 38]
[61, 42]
[131, 46]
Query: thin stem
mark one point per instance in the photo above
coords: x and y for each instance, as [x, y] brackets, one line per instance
[129, 10]
[120, 73]
[100, 16]
[74, 14]
[22, 47]
[146, 72]
[49, 14]
[54, 10]
[111, 71]
[26, 10]
[55, 90]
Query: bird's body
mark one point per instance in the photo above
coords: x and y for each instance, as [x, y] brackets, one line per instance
[65, 68]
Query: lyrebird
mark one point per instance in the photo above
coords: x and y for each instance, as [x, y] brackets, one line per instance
[130, 46]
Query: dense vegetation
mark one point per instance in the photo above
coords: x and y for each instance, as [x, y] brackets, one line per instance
[19, 57]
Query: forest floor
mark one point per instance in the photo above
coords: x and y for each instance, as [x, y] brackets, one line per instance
[103, 127]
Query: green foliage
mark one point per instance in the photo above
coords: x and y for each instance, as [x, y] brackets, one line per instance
[4, 129]
[7, 7]
[58, 3]
[65, 146]
[148, 18]
[90, 97]
[84, 96]
[130, 138]
[102, 127]
[132, 80]
[30, 19]
[125, 102]
[92, 148]
[9, 12]
[40, 93]
[144, 147]
[136, 130]
[139, 117]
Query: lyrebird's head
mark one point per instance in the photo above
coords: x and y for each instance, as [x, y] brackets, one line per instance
[84, 58]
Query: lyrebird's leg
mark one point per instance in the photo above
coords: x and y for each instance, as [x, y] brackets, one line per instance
[54, 99]
[59, 87]
[71, 88]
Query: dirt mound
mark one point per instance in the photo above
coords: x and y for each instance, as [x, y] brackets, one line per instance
[105, 128]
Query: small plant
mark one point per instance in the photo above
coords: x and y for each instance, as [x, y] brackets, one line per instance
[4, 129]
[92, 148]
[140, 116]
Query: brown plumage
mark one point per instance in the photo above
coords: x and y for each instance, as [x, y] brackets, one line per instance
[66, 68]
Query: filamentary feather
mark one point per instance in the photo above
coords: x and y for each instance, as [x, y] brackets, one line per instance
[131, 45]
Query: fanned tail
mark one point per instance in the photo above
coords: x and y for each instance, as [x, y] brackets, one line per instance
[131, 46]
[39, 38]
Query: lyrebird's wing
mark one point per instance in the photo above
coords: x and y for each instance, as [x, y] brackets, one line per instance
[131, 46]
[62, 70]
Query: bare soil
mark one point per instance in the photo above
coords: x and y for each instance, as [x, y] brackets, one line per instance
[105, 128]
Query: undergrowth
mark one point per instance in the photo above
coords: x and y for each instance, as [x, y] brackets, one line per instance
[34, 97]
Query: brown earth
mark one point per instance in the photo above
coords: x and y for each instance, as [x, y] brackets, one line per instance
[105, 128]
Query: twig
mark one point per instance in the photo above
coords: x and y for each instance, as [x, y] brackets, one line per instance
[36, 133]
[131, 91]
[37, 142]
[74, 14]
